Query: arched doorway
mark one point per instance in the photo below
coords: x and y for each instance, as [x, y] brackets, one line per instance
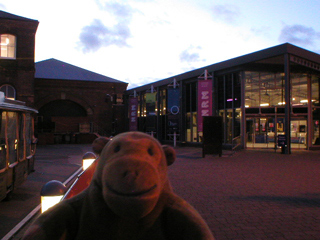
[61, 116]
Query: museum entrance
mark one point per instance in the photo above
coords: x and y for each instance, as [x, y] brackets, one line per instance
[262, 132]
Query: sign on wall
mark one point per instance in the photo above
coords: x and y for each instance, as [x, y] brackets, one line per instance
[204, 99]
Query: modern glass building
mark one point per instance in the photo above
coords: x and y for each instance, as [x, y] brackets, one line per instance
[259, 96]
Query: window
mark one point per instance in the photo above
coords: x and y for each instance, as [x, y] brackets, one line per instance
[12, 121]
[9, 91]
[8, 46]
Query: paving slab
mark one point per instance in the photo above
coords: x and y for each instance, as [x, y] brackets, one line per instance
[248, 195]
[253, 194]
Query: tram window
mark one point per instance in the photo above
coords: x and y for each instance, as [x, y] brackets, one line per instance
[21, 142]
[28, 133]
[2, 141]
[12, 136]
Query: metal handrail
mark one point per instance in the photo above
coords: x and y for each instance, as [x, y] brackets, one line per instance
[234, 146]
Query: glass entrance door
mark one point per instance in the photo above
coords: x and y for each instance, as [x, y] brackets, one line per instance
[299, 133]
[263, 132]
[260, 132]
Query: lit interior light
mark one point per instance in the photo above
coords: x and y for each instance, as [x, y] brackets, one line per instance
[5, 43]
[87, 160]
[264, 104]
[246, 106]
[281, 103]
[306, 100]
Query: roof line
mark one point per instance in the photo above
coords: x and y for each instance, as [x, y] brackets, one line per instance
[240, 60]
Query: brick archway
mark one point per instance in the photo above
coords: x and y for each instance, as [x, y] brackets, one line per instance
[39, 104]
[63, 115]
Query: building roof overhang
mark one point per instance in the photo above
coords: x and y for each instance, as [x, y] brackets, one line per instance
[6, 15]
[58, 70]
[272, 52]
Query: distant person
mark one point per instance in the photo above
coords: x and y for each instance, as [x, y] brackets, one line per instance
[98, 144]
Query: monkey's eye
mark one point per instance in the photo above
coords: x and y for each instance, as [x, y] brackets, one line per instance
[117, 149]
[150, 151]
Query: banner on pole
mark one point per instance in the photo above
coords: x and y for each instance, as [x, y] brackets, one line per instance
[133, 114]
[204, 99]
[151, 104]
[151, 118]
[173, 108]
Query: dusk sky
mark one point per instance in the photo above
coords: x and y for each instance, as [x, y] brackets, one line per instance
[141, 41]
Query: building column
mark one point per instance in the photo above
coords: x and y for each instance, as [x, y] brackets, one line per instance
[288, 102]
[243, 110]
[310, 114]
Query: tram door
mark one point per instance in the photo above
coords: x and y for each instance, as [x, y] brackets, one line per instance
[260, 132]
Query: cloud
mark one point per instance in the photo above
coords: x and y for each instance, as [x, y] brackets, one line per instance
[97, 35]
[190, 55]
[227, 13]
[299, 34]
[122, 12]
[261, 31]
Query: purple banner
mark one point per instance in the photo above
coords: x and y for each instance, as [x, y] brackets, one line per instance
[133, 114]
[204, 101]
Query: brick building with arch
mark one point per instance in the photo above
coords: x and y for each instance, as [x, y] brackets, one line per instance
[74, 104]
[73, 100]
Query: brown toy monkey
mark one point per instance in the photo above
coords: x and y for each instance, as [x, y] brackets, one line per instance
[98, 144]
[129, 198]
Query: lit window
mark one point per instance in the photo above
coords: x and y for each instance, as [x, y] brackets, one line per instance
[8, 46]
[9, 91]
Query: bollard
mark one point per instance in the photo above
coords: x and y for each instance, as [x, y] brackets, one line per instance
[88, 159]
[51, 193]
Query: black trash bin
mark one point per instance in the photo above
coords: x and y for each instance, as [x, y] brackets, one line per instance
[282, 142]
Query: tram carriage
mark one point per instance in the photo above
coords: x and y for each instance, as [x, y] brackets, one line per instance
[17, 144]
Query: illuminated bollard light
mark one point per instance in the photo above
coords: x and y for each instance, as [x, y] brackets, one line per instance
[51, 193]
[88, 159]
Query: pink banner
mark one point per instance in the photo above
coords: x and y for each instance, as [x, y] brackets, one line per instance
[204, 101]
[133, 114]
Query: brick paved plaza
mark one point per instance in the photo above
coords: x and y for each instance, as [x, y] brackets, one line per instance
[254, 194]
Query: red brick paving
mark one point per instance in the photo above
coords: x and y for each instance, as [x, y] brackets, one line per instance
[254, 194]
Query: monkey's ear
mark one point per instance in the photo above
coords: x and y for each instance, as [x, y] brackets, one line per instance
[170, 154]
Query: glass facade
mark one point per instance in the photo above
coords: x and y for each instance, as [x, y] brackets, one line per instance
[191, 112]
[265, 95]
[251, 100]
[263, 89]
[229, 103]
